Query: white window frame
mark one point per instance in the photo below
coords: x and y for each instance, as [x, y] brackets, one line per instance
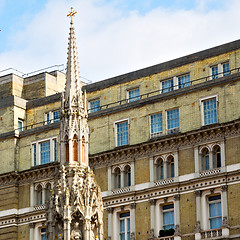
[159, 212]
[220, 69]
[201, 100]
[175, 81]
[122, 168]
[20, 129]
[51, 117]
[172, 130]
[165, 158]
[152, 135]
[115, 130]
[93, 100]
[205, 207]
[210, 146]
[131, 89]
[116, 220]
[37, 144]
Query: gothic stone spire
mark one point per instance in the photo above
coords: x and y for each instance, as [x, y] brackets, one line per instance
[74, 128]
[75, 208]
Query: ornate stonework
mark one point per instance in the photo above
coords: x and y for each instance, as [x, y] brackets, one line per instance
[75, 208]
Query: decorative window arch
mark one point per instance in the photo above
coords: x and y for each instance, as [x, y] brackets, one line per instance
[117, 173]
[39, 194]
[170, 166]
[159, 168]
[66, 148]
[216, 156]
[75, 148]
[127, 175]
[210, 156]
[165, 166]
[205, 161]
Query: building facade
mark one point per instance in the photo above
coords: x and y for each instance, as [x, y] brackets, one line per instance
[164, 143]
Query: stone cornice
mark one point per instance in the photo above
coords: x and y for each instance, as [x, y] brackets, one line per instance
[168, 143]
[29, 176]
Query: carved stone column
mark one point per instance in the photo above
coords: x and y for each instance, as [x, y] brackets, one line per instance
[110, 223]
[225, 225]
[177, 210]
[165, 172]
[198, 194]
[132, 221]
[152, 216]
[31, 234]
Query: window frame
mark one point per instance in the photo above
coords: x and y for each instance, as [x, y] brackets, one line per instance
[159, 133]
[115, 124]
[220, 70]
[127, 222]
[214, 202]
[21, 121]
[36, 150]
[133, 99]
[201, 102]
[172, 129]
[95, 109]
[49, 117]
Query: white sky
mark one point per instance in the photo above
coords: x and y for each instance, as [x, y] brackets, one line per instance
[113, 38]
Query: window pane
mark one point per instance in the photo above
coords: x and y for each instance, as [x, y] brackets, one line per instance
[167, 85]
[156, 123]
[122, 133]
[45, 152]
[215, 212]
[184, 81]
[173, 118]
[34, 154]
[214, 72]
[55, 149]
[168, 220]
[226, 69]
[48, 118]
[134, 95]
[56, 116]
[95, 106]
[210, 111]
[20, 125]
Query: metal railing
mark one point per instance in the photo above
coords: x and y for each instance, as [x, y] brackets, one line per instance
[38, 124]
[165, 90]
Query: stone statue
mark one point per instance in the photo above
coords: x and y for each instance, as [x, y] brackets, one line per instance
[76, 232]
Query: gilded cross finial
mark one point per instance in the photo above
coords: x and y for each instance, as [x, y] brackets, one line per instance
[71, 14]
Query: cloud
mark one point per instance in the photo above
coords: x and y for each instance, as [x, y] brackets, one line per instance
[112, 41]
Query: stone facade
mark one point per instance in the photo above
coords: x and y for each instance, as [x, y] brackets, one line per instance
[158, 170]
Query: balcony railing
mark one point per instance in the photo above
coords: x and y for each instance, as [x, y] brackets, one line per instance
[211, 233]
[121, 190]
[164, 182]
[39, 207]
[172, 88]
[210, 172]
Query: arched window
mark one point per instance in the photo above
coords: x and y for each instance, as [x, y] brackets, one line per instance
[127, 172]
[216, 156]
[117, 178]
[75, 148]
[170, 167]
[205, 159]
[39, 197]
[159, 169]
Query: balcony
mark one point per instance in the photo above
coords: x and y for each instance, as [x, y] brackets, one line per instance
[219, 233]
[121, 190]
[213, 171]
[39, 207]
[164, 182]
